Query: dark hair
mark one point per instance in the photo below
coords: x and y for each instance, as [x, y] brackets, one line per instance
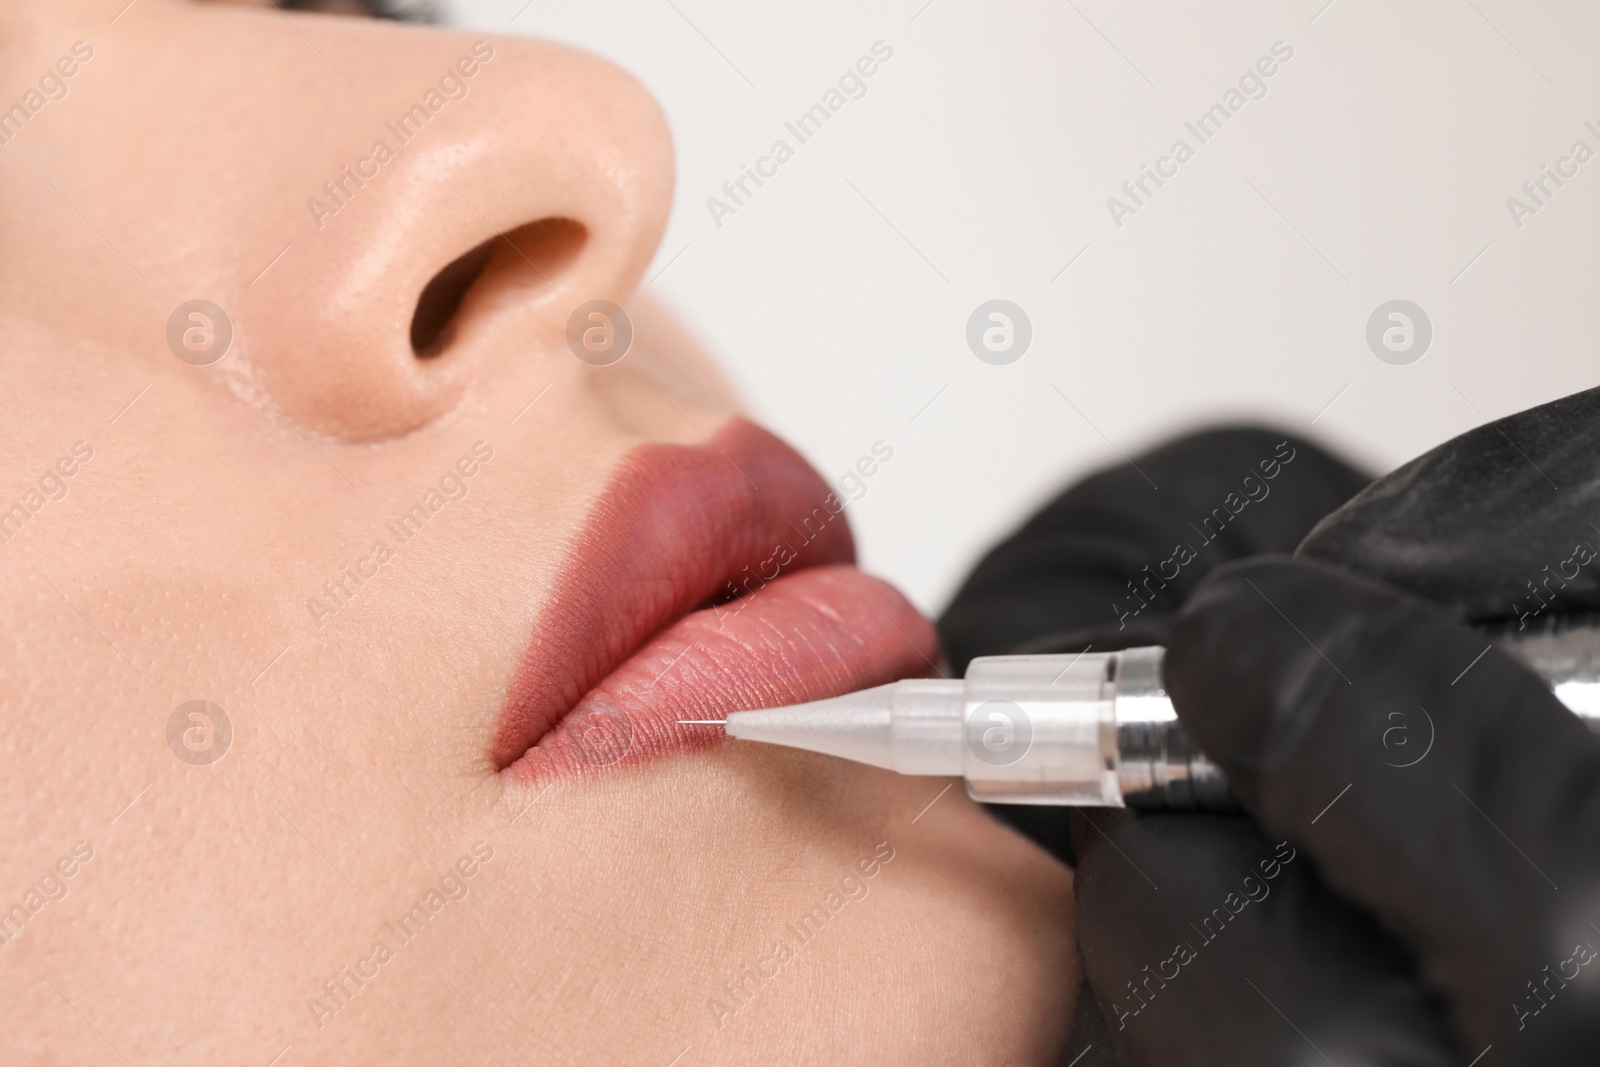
[400, 10]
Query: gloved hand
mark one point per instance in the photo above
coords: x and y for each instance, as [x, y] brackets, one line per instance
[1419, 881]
[1107, 563]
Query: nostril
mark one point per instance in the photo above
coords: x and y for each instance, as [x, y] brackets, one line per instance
[528, 257]
[441, 299]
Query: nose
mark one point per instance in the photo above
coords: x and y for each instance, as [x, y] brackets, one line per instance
[443, 220]
[391, 216]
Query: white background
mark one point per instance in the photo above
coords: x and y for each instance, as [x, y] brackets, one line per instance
[1377, 166]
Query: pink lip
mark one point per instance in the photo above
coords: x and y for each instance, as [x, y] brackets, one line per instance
[708, 579]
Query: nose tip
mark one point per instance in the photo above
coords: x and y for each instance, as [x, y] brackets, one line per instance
[482, 208]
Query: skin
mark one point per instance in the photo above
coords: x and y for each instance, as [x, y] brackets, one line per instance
[219, 899]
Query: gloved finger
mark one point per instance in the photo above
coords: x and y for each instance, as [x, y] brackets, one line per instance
[1112, 551]
[1502, 522]
[1204, 943]
[1477, 843]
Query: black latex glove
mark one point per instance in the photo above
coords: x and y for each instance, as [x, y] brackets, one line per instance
[1087, 568]
[1443, 900]
[1062, 583]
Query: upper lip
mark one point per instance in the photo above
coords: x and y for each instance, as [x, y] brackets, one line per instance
[680, 528]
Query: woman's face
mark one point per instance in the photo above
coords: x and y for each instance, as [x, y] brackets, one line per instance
[350, 615]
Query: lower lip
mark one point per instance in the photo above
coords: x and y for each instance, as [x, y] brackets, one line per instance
[817, 633]
[621, 656]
